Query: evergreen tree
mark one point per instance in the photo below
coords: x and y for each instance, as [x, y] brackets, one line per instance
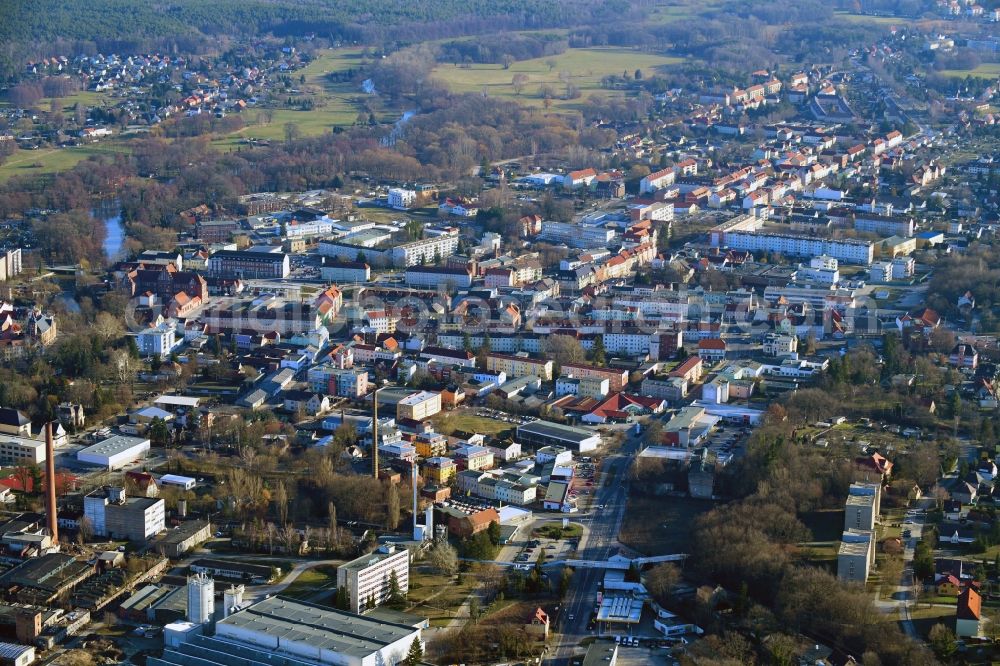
[343, 598]
[396, 596]
[597, 353]
[494, 533]
[415, 655]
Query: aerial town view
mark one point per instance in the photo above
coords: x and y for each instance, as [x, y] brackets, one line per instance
[375, 333]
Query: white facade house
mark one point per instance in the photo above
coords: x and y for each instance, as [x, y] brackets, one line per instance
[401, 199]
[160, 340]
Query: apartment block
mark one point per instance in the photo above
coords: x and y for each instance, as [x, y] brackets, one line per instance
[519, 366]
[367, 578]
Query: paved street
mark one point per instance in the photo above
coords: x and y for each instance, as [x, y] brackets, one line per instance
[599, 542]
[895, 598]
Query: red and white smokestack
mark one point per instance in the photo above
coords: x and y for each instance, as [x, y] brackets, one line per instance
[50, 477]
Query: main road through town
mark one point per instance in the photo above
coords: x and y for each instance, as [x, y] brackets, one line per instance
[600, 541]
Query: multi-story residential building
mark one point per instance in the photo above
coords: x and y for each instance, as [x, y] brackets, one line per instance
[401, 199]
[321, 226]
[457, 357]
[627, 342]
[585, 387]
[10, 263]
[426, 250]
[216, 231]
[419, 406]
[440, 470]
[430, 444]
[342, 272]
[344, 382]
[848, 251]
[860, 512]
[519, 366]
[474, 457]
[673, 389]
[779, 345]
[617, 379]
[438, 276]
[855, 556]
[368, 578]
[576, 235]
[246, 264]
[657, 180]
[112, 514]
[885, 225]
[691, 369]
[159, 340]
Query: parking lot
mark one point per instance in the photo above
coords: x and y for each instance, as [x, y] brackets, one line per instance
[583, 484]
[727, 442]
[502, 416]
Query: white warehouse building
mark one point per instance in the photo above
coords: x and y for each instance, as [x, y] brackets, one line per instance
[114, 452]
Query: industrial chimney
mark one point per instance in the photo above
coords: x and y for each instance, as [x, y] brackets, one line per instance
[50, 476]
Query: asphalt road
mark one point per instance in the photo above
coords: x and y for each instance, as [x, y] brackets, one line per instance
[599, 543]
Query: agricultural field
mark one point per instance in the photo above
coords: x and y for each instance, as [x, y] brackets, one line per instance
[583, 68]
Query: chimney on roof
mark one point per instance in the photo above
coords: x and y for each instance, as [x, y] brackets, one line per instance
[50, 476]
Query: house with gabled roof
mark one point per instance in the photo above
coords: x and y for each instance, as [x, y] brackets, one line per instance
[968, 614]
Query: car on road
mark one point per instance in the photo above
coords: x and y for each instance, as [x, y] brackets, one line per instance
[572, 616]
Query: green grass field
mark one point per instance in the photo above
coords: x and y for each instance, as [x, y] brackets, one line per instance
[312, 582]
[874, 20]
[334, 103]
[583, 68]
[52, 160]
[989, 70]
[465, 421]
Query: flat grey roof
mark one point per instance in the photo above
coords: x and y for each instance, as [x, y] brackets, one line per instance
[318, 626]
[113, 446]
[557, 431]
[368, 560]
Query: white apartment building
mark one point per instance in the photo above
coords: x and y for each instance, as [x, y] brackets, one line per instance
[576, 235]
[345, 272]
[848, 251]
[885, 225]
[367, 578]
[425, 250]
[823, 270]
[657, 181]
[585, 387]
[401, 199]
[323, 226]
[628, 343]
[159, 340]
[780, 345]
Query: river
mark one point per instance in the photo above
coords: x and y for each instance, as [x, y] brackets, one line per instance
[114, 231]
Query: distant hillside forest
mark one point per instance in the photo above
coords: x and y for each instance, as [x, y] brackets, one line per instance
[128, 25]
